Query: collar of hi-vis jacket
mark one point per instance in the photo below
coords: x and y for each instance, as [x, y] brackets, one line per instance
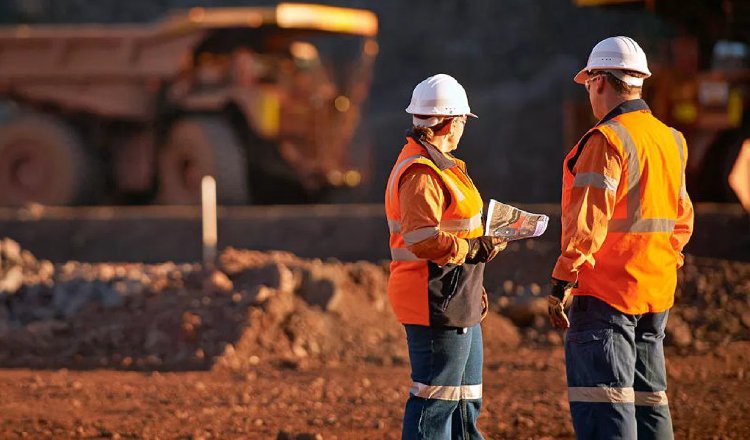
[442, 161]
[632, 105]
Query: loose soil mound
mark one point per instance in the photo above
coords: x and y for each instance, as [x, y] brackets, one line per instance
[277, 309]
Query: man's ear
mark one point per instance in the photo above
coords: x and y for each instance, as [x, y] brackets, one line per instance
[601, 84]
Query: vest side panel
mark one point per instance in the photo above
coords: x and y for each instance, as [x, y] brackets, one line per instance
[407, 292]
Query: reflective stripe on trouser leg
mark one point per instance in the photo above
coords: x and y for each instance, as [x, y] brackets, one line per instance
[440, 361]
[446, 392]
[600, 360]
[651, 398]
[652, 406]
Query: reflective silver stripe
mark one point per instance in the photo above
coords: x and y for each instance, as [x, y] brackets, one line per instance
[403, 254]
[650, 225]
[595, 180]
[651, 398]
[446, 178]
[634, 171]
[680, 146]
[462, 224]
[634, 222]
[394, 226]
[420, 234]
[449, 180]
[446, 392]
[397, 170]
[601, 394]
[452, 225]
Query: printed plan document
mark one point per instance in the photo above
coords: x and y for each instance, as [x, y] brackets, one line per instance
[512, 223]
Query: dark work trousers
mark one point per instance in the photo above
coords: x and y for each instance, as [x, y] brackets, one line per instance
[446, 393]
[617, 379]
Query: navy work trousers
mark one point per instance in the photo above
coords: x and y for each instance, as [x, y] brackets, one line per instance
[446, 393]
[616, 374]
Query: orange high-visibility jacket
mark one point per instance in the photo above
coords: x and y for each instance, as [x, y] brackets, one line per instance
[635, 269]
[420, 291]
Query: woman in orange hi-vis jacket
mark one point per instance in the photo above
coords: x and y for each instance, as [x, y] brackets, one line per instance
[438, 253]
[625, 218]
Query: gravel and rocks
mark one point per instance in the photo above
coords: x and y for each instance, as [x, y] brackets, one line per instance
[298, 348]
[275, 308]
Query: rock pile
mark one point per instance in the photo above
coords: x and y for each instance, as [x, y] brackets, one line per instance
[276, 308]
[19, 267]
[258, 307]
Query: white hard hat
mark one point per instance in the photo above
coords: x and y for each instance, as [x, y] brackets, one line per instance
[616, 54]
[438, 95]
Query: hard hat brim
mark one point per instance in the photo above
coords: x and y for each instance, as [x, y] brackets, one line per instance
[447, 116]
[584, 74]
[581, 76]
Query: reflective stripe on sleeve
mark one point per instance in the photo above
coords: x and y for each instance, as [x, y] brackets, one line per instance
[403, 254]
[394, 226]
[651, 398]
[601, 394]
[463, 224]
[451, 225]
[397, 170]
[417, 235]
[595, 180]
[446, 392]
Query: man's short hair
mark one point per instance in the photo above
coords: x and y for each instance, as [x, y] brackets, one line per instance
[620, 86]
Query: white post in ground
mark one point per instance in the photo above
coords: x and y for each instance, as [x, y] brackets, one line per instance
[208, 211]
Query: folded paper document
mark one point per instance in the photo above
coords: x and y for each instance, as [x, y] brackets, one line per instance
[512, 223]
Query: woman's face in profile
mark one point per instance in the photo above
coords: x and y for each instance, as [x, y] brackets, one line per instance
[457, 130]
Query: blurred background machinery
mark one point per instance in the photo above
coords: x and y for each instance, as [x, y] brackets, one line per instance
[516, 59]
[266, 99]
[702, 87]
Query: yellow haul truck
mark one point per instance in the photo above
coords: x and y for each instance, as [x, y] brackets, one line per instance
[265, 99]
[701, 86]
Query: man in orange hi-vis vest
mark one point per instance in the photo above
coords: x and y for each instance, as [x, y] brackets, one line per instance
[438, 254]
[625, 218]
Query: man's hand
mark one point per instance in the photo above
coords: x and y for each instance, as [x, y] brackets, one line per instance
[556, 301]
[484, 249]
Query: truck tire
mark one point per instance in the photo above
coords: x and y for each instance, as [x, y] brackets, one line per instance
[197, 146]
[43, 160]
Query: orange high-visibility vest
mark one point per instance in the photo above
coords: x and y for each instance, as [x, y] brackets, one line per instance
[635, 269]
[408, 284]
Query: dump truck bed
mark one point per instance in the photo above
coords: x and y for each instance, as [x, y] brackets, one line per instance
[113, 70]
[34, 53]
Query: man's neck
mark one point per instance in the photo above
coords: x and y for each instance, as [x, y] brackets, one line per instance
[613, 101]
[616, 100]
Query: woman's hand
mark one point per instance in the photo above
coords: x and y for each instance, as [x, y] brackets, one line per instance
[484, 249]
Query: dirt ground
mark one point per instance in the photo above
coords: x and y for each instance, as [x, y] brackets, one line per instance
[270, 345]
[524, 392]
